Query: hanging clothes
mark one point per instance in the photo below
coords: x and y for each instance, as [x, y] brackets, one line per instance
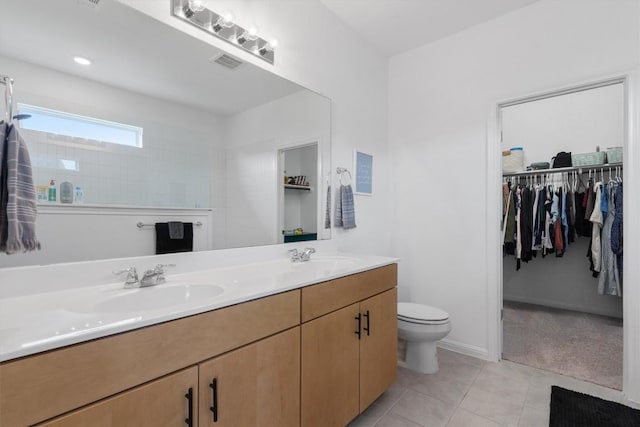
[597, 221]
[609, 280]
[616, 228]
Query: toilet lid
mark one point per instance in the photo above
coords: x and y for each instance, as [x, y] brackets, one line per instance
[420, 312]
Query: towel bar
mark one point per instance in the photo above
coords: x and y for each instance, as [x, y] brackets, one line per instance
[142, 224]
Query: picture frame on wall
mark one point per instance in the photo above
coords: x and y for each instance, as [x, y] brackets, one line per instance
[363, 169]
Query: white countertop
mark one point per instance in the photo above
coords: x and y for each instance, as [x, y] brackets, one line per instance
[37, 322]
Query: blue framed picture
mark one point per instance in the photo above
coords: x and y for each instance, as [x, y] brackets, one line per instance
[363, 167]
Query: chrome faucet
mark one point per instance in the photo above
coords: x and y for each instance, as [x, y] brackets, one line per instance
[304, 255]
[131, 280]
[155, 276]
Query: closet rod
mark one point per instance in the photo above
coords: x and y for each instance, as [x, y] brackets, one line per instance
[579, 169]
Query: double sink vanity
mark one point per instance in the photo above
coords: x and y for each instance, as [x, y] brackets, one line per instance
[270, 343]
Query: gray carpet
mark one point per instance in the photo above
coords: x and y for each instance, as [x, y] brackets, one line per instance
[579, 345]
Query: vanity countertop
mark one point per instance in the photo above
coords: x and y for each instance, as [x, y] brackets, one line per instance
[38, 322]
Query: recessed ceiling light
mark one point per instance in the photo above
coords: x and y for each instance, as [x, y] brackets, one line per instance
[82, 60]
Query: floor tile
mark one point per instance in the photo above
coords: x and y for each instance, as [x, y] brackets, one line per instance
[498, 393]
[450, 383]
[369, 417]
[534, 417]
[423, 409]
[392, 420]
[462, 418]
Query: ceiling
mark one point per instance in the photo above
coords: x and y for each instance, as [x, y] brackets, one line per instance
[396, 26]
[132, 51]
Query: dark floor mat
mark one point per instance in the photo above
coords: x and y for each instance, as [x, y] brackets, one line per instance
[572, 409]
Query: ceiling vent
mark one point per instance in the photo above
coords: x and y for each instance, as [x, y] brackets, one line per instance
[226, 60]
[91, 4]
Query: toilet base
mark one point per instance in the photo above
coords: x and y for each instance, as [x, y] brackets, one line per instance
[422, 357]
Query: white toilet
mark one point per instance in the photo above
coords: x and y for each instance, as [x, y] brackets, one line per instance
[421, 326]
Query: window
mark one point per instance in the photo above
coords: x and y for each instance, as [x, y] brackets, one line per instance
[76, 126]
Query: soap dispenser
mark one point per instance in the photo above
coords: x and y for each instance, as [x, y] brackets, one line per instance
[52, 191]
[66, 192]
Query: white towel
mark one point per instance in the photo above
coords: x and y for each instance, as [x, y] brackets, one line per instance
[17, 197]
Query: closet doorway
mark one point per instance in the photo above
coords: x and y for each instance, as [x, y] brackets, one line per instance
[561, 280]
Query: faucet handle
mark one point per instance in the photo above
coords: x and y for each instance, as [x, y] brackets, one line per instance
[310, 250]
[160, 268]
[132, 275]
[293, 252]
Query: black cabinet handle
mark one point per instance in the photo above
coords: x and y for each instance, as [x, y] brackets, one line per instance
[189, 421]
[359, 319]
[214, 403]
[367, 328]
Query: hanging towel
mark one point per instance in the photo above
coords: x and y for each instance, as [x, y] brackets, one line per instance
[18, 195]
[167, 245]
[345, 215]
[176, 230]
[327, 212]
[338, 214]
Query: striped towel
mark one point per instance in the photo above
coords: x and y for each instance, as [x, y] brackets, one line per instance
[17, 195]
[345, 213]
[327, 212]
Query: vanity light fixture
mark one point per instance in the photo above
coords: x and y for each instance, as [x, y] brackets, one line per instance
[221, 25]
[81, 60]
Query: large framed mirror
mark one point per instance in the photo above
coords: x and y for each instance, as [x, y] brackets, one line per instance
[159, 127]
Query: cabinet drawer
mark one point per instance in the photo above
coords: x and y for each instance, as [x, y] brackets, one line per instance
[39, 387]
[329, 296]
[163, 402]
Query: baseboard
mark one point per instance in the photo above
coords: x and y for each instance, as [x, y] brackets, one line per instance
[562, 305]
[466, 349]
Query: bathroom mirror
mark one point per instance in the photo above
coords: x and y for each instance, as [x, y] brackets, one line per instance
[160, 126]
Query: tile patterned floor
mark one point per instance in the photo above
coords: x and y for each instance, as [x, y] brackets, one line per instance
[469, 392]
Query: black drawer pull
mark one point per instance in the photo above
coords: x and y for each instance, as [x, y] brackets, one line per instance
[189, 421]
[367, 328]
[214, 403]
[359, 319]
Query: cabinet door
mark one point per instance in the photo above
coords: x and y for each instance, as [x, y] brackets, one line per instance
[256, 385]
[163, 402]
[330, 350]
[378, 347]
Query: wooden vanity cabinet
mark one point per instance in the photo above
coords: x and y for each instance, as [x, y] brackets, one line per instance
[256, 385]
[39, 387]
[169, 401]
[349, 353]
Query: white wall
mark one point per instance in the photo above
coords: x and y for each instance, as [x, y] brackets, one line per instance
[440, 96]
[337, 64]
[577, 123]
[253, 139]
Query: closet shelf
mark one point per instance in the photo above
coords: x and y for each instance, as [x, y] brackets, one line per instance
[297, 187]
[579, 169]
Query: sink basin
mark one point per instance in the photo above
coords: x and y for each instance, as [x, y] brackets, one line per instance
[154, 297]
[335, 262]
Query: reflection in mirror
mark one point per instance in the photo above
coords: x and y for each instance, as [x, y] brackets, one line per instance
[153, 130]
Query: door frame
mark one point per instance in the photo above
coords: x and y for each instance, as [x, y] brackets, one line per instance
[280, 174]
[631, 247]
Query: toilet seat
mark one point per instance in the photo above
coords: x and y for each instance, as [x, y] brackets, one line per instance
[421, 314]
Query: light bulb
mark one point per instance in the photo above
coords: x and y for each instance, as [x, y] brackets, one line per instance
[268, 47]
[82, 60]
[224, 21]
[252, 33]
[192, 7]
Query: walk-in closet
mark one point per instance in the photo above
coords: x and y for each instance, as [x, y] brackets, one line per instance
[563, 231]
